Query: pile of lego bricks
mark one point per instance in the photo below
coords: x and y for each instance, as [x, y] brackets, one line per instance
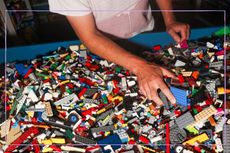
[74, 101]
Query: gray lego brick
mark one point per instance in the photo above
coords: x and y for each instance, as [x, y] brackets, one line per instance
[165, 100]
[103, 115]
[87, 100]
[83, 140]
[130, 151]
[184, 120]
[83, 54]
[216, 64]
[177, 135]
[90, 92]
[226, 139]
[67, 100]
[132, 120]
[105, 128]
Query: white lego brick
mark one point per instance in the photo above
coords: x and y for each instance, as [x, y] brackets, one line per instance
[219, 146]
[179, 63]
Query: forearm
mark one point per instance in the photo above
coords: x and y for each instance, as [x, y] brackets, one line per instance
[107, 49]
[167, 15]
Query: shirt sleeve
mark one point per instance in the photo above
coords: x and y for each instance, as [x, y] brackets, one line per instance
[70, 7]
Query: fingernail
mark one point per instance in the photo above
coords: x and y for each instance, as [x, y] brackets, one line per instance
[174, 102]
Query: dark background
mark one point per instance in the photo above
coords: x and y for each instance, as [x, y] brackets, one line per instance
[45, 27]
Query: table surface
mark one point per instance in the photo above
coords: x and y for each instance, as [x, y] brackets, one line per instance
[145, 39]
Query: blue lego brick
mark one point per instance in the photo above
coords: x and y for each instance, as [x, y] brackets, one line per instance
[180, 95]
[22, 70]
[110, 140]
[39, 117]
[62, 77]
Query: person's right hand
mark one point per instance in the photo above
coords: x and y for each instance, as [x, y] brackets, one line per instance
[150, 79]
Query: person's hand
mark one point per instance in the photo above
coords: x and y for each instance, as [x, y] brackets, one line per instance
[176, 28]
[150, 79]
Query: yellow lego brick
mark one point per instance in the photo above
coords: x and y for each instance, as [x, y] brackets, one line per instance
[222, 91]
[124, 125]
[106, 119]
[64, 82]
[63, 55]
[119, 98]
[46, 142]
[147, 148]
[47, 150]
[107, 133]
[200, 138]
[82, 47]
[101, 111]
[30, 114]
[210, 54]
[58, 140]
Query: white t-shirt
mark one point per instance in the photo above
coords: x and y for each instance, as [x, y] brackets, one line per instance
[119, 18]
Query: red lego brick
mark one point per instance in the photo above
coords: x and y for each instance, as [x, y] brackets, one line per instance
[23, 137]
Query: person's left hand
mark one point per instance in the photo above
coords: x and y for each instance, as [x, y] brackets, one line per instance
[176, 28]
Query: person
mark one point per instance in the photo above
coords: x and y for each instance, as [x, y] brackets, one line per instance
[99, 22]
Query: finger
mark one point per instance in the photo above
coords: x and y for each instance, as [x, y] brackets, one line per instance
[168, 94]
[154, 95]
[188, 31]
[143, 91]
[174, 35]
[183, 32]
[168, 73]
[147, 90]
[157, 99]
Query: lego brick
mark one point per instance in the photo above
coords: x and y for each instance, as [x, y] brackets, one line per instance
[73, 149]
[200, 138]
[67, 100]
[216, 64]
[177, 135]
[205, 114]
[5, 128]
[226, 138]
[31, 131]
[179, 63]
[100, 102]
[219, 145]
[112, 139]
[83, 140]
[48, 108]
[90, 92]
[103, 115]
[220, 124]
[166, 102]
[180, 95]
[102, 129]
[87, 100]
[184, 120]
[58, 140]
[14, 133]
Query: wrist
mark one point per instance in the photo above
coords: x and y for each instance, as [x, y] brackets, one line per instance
[135, 65]
[170, 19]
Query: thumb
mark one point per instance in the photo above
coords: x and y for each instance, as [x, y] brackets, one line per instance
[174, 35]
